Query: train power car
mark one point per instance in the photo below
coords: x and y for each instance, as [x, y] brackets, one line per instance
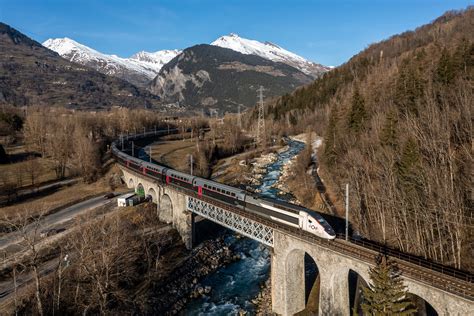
[272, 209]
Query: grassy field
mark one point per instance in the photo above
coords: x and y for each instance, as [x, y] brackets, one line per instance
[173, 152]
[65, 195]
[19, 173]
[24, 163]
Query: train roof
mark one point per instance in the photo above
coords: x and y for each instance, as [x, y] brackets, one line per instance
[154, 165]
[179, 173]
[220, 185]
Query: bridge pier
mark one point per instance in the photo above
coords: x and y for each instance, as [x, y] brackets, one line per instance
[334, 294]
[288, 252]
[171, 205]
[288, 279]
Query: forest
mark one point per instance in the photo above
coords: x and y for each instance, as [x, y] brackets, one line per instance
[397, 126]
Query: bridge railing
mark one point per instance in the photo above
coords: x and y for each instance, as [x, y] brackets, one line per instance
[365, 251]
[459, 274]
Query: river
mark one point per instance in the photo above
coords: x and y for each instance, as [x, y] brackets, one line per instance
[235, 285]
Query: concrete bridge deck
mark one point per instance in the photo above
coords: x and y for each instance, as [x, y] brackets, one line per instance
[448, 291]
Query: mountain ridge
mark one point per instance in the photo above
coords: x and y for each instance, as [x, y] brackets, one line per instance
[139, 69]
[142, 67]
[208, 76]
[35, 75]
[270, 51]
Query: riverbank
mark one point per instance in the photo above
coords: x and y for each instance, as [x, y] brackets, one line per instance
[241, 288]
[169, 294]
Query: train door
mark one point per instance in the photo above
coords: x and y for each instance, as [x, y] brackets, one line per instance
[200, 190]
[167, 179]
[144, 170]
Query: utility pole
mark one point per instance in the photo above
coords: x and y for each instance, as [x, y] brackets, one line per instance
[149, 152]
[133, 149]
[239, 122]
[261, 119]
[347, 211]
[191, 164]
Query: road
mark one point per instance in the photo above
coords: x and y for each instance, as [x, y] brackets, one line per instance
[31, 191]
[55, 220]
[59, 220]
[7, 287]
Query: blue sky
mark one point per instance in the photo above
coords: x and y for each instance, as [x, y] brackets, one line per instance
[329, 32]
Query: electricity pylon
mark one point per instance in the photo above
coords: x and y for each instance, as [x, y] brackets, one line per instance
[261, 118]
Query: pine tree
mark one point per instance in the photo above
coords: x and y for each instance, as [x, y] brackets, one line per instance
[358, 115]
[409, 88]
[407, 165]
[445, 71]
[388, 135]
[386, 295]
[330, 154]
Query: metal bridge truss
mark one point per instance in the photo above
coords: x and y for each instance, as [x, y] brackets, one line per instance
[236, 222]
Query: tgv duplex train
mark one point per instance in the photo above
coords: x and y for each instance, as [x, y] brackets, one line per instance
[285, 213]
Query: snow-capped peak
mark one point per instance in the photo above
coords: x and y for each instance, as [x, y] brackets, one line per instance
[65, 45]
[139, 68]
[269, 51]
[160, 57]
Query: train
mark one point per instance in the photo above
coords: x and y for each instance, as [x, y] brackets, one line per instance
[274, 210]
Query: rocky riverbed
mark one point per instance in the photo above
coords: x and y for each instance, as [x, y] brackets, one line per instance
[169, 295]
[263, 301]
[242, 288]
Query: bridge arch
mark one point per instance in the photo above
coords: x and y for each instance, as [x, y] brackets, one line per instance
[165, 209]
[140, 189]
[130, 183]
[302, 281]
[423, 307]
[356, 282]
[152, 193]
[425, 299]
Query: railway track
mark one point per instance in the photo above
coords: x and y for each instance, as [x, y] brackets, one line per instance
[442, 277]
[450, 280]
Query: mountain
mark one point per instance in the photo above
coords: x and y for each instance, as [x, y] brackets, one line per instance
[139, 69]
[397, 126]
[272, 52]
[31, 74]
[142, 67]
[208, 76]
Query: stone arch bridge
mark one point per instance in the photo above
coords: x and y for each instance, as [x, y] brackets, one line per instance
[447, 295]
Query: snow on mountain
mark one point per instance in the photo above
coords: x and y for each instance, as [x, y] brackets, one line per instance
[270, 51]
[142, 67]
[157, 59]
[139, 69]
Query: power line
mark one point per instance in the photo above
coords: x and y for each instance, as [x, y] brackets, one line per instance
[261, 118]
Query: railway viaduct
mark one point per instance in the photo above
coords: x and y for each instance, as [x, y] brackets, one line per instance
[446, 293]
